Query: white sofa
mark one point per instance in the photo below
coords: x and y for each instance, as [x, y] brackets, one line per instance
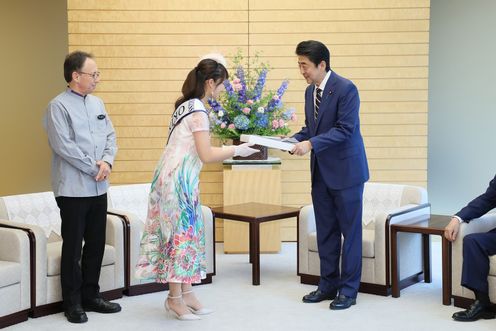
[383, 205]
[131, 203]
[39, 213]
[15, 284]
[462, 296]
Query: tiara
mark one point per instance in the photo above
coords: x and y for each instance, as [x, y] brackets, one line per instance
[217, 57]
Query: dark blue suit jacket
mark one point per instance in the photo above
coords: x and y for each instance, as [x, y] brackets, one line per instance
[480, 205]
[337, 144]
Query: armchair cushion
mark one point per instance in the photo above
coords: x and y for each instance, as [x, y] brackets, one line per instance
[367, 242]
[54, 254]
[10, 273]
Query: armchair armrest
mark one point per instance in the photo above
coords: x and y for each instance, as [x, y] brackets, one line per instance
[15, 247]
[115, 236]
[38, 259]
[209, 239]
[403, 214]
[134, 230]
[305, 226]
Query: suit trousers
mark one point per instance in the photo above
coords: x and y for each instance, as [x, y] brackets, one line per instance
[477, 247]
[338, 213]
[83, 218]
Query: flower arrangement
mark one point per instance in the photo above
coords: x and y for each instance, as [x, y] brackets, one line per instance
[247, 108]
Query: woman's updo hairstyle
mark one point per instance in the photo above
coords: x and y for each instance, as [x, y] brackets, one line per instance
[210, 67]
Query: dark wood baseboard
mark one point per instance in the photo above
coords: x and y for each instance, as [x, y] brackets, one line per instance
[464, 303]
[145, 288]
[413, 279]
[157, 287]
[376, 289]
[8, 320]
[309, 279]
[57, 307]
[48, 309]
[113, 294]
[369, 288]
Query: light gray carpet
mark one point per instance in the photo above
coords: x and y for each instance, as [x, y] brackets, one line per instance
[276, 304]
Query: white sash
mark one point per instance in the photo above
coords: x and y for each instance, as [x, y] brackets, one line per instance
[186, 108]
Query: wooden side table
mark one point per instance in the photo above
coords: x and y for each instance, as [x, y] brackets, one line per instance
[254, 214]
[251, 181]
[431, 226]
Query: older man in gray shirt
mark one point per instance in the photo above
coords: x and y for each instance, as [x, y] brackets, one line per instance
[82, 139]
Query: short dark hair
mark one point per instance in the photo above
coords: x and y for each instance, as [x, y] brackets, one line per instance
[315, 51]
[74, 62]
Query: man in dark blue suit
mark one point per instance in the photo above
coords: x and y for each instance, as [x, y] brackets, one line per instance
[339, 170]
[477, 247]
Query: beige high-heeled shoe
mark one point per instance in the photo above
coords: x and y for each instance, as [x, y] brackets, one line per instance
[184, 317]
[201, 311]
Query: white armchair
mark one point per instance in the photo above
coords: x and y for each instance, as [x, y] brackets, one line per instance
[383, 205]
[39, 213]
[462, 296]
[130, 202]
[14, 276]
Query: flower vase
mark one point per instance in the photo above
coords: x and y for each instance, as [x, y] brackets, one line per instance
[262, 155]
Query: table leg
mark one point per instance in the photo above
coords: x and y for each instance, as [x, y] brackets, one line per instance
[446, 256]
[255, 252]
[426, 249]
[214, 262]
[395, 265]
[251, 231]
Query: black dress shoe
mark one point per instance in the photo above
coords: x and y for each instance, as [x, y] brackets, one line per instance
[342, 302]
[76, 314]
[100, 305]
[318, 296]
[476, 311]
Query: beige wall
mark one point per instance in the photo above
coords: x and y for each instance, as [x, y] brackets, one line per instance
[34, 43]
[145, 48]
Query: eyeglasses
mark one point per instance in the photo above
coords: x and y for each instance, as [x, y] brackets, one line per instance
[94, 75]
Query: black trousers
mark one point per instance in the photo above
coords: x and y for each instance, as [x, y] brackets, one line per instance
[82, 219]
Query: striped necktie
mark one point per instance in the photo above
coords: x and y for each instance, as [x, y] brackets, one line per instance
[318, 99]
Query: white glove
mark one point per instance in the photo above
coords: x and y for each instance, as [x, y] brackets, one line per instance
[244, 150]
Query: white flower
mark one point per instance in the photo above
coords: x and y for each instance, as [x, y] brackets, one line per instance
[221, 113]
[261, 110]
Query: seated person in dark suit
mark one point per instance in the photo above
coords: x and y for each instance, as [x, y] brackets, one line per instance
[477, 247]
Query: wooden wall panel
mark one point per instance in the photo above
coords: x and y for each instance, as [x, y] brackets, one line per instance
[145, 48]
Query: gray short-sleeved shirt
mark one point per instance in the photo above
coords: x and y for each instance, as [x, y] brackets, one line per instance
[80, 133]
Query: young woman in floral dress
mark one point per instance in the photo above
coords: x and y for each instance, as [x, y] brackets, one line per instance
[173, 242]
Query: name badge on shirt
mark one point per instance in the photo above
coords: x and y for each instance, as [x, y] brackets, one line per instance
[101, 117]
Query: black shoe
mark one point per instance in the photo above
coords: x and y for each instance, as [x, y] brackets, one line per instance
[100, 305]
[76, 314]
[318, 296]
[476, 311]
[342, 302]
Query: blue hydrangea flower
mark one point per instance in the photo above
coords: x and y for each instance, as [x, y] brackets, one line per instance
[288, 114]
[241, 122]
[262, 120]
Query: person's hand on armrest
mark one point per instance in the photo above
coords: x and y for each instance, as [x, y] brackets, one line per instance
[451, 230]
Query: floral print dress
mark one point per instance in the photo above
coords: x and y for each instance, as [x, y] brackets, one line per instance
[173, 243]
